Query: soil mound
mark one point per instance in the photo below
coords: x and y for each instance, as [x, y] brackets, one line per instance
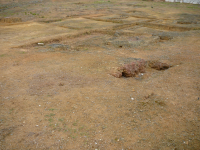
[131, 70]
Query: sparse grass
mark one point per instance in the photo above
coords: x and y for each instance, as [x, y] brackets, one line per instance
[51, 114]
[100, 1]
[52, 109]
[50, 120]
[32, 13]
[73, 132]
[22, 52]
[194, 7]
[11, 110]
[81, 127]
[75, 124]
[112, 112]
[72, 136]
[3, 55]
[60, 119]
[196, 29]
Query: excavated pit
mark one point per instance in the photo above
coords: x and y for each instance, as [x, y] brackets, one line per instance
[134, 68]
[99, 75]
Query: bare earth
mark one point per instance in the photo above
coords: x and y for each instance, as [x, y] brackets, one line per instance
[61, 93]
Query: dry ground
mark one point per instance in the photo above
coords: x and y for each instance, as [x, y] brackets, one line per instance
[61, 95]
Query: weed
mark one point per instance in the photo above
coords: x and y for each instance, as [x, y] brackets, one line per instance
[3, 55]
[52, 109]
[50, 120]
[99, 1]
[11, 110]
[60, 119]
[74, 130]
[72, 136]
[51, 114]
[84, 133]
[81, 128]
[22, 52]
[75, 124]
[193, 7]
[81, 134]
[33, 13]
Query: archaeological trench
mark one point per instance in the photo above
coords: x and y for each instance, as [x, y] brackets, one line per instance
[99, 75]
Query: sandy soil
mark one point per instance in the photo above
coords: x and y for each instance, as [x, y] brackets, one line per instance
[61, 93]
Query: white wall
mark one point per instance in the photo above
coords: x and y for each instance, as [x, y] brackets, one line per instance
[192, 1]
[185, 1]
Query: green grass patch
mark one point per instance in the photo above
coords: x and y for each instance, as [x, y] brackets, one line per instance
[33, 13]
[101, 2]
[3, 55]
[22, 52]
[60, 119]
[50, 119]
[75, 124]
[52, 109]
[194, 7]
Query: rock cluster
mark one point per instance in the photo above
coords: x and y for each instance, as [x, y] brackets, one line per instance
[133, 69]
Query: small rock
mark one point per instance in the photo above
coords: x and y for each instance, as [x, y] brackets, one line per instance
[41, 44]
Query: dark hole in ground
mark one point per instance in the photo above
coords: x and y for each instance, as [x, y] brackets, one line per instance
[124, 74]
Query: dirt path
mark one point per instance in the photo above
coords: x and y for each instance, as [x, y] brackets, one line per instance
[61, 93]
